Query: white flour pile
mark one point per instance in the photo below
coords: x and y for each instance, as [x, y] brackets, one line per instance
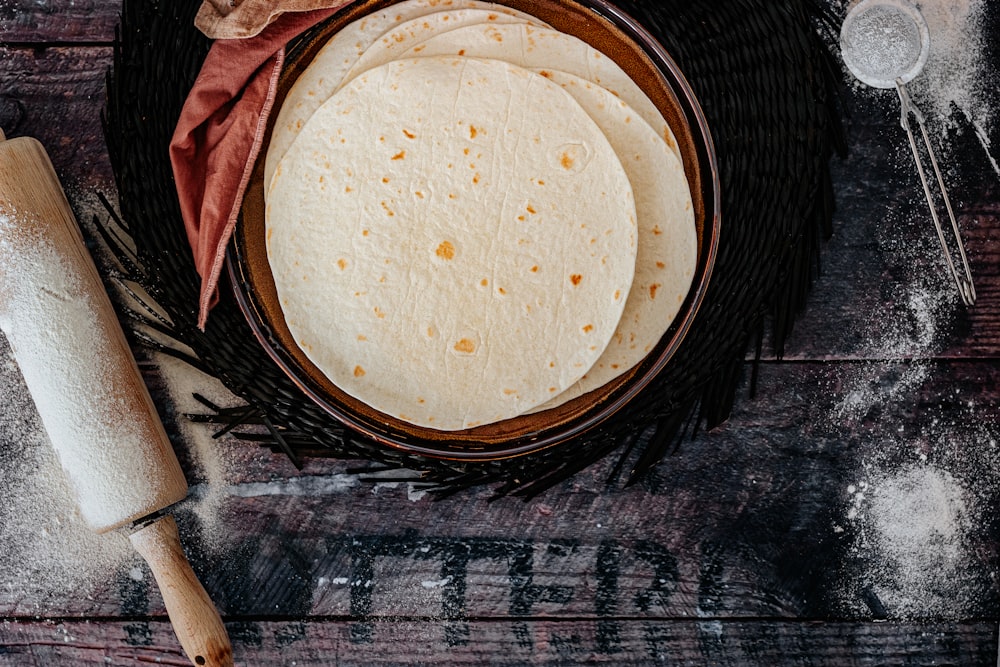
[910, 529]
[914, 516]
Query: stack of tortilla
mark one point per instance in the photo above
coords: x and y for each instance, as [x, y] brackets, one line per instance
[471, 216]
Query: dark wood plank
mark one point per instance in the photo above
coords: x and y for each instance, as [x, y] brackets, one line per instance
[884, 291]
[61, 21]
[56, 95]
[503, 643]
[751, 520]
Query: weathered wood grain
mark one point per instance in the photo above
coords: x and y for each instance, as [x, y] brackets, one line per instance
[323, 643]
[751, 520]
[60, 21]
[56, 95]
[884, 290]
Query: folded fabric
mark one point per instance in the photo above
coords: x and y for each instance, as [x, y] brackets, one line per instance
[219, 136]
[239, 19]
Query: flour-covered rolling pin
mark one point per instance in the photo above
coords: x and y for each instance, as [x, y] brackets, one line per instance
[90, 396]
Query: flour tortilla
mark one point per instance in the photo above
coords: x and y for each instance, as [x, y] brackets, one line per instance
[443, 288]
[411, 34]
[541, 49]
[332, 66]
[668, 242]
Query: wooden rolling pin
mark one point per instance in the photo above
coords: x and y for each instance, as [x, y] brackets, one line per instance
[90, 396]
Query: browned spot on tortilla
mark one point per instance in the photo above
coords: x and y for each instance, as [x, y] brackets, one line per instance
[566, 161]
[466, 151]
[342, 264]
[388, 210]
[420, 195]
[401, 155]
[365, 232]
[501, 290]
[421, 401]
[552, 364]
[409, 135]
[657, 231]
[541, 182]
[362, 338]
[520, 218]
[385, 179]
[484, 282]
[534, 269]
[446, 250]
[588, 328]
[465, 346]
[348, 189]
[461, 52]
[359, 372]
[379, 314]
[475, 179]
[661, 265]
[652, 290]
[667, 137]
[546, 74]
[618, 294]
[576, 278]
[473, 132]
[552, 390]
[510, 392]
[531, 209]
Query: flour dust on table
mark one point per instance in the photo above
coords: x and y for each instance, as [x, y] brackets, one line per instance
[47, 551]
[955, 85]
[916, 517]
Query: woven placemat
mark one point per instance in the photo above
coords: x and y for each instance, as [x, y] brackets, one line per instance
[767, 84]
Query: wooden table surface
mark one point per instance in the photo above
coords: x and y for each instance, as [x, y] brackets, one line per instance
[846, 515]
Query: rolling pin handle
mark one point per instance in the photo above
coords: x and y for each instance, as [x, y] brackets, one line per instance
[195, 619]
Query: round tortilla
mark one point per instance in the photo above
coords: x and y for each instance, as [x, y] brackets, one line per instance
[541, 49]
[389, 28]
[668, 242]
[452, 240]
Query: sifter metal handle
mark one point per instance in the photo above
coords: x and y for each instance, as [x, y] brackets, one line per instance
[966, 288]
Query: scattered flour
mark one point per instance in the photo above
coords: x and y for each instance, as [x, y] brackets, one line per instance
[914, 516]
[956, 77]
[913, 549]
[50, 313]
[47, 552]
[905, 338]
[216, 460]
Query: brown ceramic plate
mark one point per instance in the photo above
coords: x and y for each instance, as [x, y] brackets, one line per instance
[609, 30]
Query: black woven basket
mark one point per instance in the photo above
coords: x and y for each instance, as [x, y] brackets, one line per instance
[766, 82]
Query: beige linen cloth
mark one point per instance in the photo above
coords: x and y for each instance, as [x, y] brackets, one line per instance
[239, 19]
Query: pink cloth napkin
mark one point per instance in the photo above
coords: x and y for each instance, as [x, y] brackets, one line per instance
[219, 136]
